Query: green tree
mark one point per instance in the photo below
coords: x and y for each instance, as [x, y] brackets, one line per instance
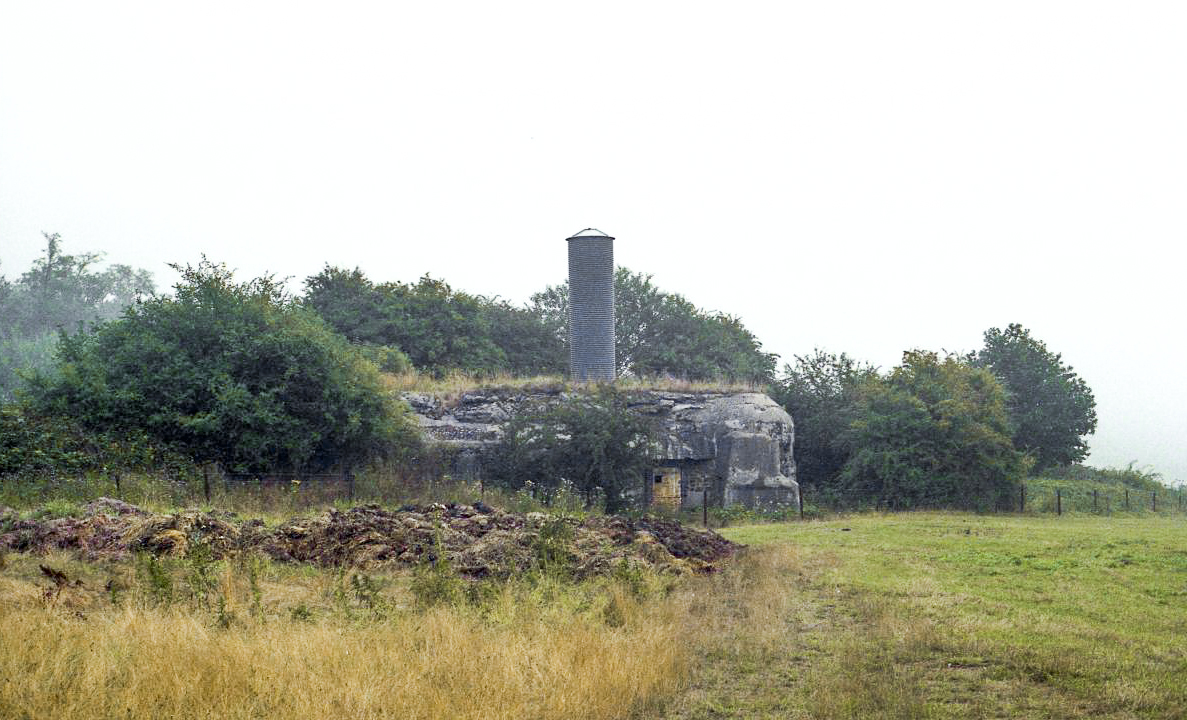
[440, 329]
[590, 440]
[659, 333]
[59, 293]
[227, 372]
[6, 291]
[348, 302]
[528, 343]
[822, 392]
[934, 433]
[1051, 407]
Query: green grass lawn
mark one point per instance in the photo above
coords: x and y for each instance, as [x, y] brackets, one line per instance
[957, 615]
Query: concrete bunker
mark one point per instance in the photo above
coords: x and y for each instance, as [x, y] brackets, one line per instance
[734, 448]
[725, 449]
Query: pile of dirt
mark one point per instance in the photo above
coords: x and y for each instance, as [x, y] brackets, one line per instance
[477, 540]
[110, 527]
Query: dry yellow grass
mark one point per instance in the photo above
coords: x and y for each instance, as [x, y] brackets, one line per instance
[547, 649]
[453, 385]
[147, 663]
[543, 650]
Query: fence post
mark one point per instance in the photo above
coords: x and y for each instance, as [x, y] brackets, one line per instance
[1153, 501]
[705, 506]
[1058, 502]
[350, 485]
[206, 482]
[1022, 497]
[117, 484]
[1127, 499]
[1094, 500]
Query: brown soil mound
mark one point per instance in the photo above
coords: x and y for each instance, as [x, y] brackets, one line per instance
[477, 540]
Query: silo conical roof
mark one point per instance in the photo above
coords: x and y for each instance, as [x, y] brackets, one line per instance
[589, 232]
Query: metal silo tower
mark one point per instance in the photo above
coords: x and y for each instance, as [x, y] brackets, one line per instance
[591, 306]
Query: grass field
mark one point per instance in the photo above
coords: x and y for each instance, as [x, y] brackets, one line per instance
[949, 615]
[924, 615]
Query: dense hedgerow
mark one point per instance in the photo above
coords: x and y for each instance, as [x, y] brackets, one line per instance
[233, 373]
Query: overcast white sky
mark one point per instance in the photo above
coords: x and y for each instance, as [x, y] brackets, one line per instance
[859, 176]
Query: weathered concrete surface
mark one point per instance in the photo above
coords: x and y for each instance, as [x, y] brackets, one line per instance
[736, 446]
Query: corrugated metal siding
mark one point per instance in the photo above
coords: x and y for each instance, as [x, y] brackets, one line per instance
[591, 308]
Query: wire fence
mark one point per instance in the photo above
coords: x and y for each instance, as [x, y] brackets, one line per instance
[1095, 500]
[1034, 498]
[341, 484]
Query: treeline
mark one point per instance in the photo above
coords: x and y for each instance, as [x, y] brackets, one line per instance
[246, 376]
[60, 293]
[426, 325]
[441, 330]
[936, 431]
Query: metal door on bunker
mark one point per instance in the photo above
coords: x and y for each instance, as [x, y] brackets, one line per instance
[665, 486]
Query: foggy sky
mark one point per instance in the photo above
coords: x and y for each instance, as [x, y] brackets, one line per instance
[857, 176]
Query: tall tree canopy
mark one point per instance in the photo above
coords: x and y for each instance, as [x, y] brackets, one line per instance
[227, 372]
[935, 432]
[660, 333]
[442, 329]
[1051, 407]
[822, 392]
[439, 328]
[59, 293]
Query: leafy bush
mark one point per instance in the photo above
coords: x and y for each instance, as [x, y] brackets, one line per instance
[1100, 490]
[34, 444]
[1129, 476]
[434, 582]
[227, 372]
[934, 433]
[554, 556]
[444, 330]
[590, 441]
[156, 576]
[387, 358]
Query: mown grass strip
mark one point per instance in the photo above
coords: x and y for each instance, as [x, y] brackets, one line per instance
[998, 616]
